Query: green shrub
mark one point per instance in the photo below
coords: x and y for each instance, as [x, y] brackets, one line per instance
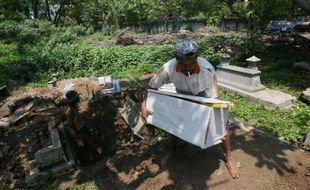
[74, 60]
[30, 31]
[8, 53]
[9, 57]
[8, 30]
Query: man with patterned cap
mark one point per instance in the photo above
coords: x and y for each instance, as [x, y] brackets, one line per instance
[191, 75]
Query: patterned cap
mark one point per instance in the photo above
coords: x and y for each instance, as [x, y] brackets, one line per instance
[186, 48]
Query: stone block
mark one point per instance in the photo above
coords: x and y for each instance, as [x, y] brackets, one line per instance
[52, 154]
[267, 97]
[238, 77]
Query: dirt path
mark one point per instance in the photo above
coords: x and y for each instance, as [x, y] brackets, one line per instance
[264, 163]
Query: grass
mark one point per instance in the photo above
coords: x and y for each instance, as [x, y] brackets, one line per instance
[290, 124]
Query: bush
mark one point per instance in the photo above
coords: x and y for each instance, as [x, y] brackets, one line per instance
[75, 60]
[9, 57]
[8, 53]
[31, 31]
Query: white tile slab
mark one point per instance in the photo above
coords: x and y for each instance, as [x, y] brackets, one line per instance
[193, 122]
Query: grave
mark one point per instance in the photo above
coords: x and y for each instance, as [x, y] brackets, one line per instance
[56, 158]
[246, 82]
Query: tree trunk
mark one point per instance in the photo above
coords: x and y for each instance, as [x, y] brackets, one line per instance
[48, 10]
[35, 8]
[58, 14]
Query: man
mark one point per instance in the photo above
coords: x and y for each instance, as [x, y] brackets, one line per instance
[77, 130]
[191, 75]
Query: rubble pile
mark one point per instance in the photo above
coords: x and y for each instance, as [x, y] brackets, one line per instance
[32, 137]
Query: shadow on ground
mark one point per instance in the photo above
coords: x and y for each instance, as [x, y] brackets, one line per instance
[139, 166]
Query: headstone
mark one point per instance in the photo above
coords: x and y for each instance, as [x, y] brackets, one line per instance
[239, 77]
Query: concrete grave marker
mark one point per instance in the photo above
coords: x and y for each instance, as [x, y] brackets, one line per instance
[246, 82]
[253, 61]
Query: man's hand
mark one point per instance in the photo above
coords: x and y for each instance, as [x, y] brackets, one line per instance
[145, 112]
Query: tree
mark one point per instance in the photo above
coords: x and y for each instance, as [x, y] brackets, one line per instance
[257, 13]
[111, 11]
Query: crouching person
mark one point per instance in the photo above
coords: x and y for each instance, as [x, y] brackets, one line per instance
[86, 147]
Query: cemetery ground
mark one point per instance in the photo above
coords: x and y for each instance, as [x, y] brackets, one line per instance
[264, 161]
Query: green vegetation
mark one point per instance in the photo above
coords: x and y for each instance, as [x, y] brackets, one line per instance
[36, 42]
[64, 50]
[291, 124]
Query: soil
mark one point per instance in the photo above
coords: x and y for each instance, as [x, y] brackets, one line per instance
[264, 162]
